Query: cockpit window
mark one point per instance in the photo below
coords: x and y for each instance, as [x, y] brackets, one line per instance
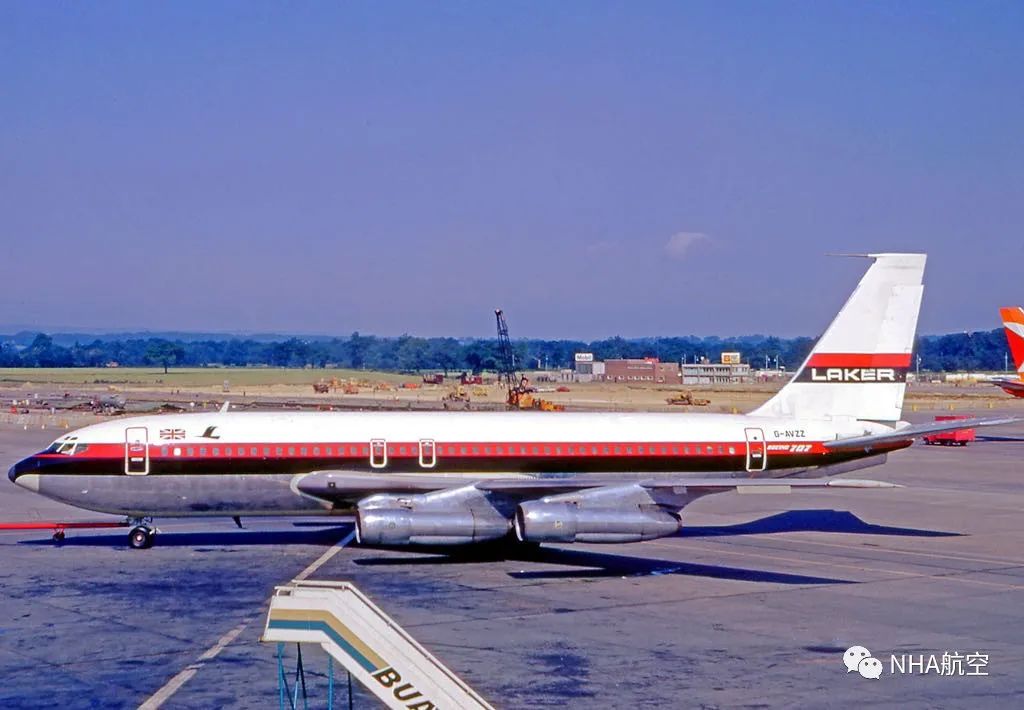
[65, 446]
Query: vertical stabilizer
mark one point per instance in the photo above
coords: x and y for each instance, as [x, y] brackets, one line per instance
[1013, 324]
[858, 368]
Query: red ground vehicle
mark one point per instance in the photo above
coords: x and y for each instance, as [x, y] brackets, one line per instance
[951, 438]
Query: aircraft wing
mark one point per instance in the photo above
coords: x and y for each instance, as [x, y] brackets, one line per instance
[344, 487]
[701, 486]
[915, 431]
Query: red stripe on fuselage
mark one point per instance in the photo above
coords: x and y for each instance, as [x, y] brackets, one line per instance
[471, 449]
[859, 360]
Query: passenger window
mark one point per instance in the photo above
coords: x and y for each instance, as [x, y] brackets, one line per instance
[266, 451]
[291, 450]
[202, 451]
[279, 451]
[190, 451]
[164, 450]
[216, 451]
[303, 451]
[316, 450]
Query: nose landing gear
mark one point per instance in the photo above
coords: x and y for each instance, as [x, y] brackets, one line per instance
[141, 535]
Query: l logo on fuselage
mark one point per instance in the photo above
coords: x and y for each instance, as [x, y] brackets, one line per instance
[208, 434]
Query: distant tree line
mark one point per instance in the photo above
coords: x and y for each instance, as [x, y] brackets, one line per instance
[961, 351]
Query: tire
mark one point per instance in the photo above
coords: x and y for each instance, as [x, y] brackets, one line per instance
[58, 536]
[140, 538]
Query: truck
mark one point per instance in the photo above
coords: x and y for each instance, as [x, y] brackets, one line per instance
[961, 437]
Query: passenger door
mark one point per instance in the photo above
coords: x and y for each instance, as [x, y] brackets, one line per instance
[136, 451]
[378, 453]
[428, 453]
[757, 452]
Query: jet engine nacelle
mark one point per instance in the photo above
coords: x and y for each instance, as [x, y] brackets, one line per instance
[401, 520]
[538, 521]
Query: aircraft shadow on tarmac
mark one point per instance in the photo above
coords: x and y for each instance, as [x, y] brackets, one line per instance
[589, 565]
[231, 538]
[999, 439]
[828, 521]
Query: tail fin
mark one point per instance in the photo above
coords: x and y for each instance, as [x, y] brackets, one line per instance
[1013, 324]
[858, 368]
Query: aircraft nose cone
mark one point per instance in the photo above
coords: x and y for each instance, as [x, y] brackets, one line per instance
[21, 468]
[23, 474]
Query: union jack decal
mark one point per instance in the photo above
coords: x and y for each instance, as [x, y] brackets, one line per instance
[172, 433]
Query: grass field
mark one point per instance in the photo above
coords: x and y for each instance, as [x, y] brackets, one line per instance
[187, 377]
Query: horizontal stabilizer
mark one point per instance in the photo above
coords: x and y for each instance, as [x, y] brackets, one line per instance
[915, 431]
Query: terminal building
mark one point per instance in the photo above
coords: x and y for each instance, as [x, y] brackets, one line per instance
[650, 369]
[714, 373]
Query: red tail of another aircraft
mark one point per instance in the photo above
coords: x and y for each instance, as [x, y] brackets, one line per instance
[1013, 324]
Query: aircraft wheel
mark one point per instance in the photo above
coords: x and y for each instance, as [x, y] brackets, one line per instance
[140, 537]
[58, 536]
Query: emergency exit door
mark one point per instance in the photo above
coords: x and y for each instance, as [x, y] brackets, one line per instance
[136, 451]
[757, 452]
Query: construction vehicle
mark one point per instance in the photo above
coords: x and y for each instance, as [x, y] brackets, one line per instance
[520, 393]
[687, 399]
[321, 387]
[457, 398]
[467, 379]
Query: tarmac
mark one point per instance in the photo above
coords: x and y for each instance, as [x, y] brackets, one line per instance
[752, 605]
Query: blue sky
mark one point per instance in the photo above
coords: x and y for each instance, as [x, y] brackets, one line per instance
[592, 168]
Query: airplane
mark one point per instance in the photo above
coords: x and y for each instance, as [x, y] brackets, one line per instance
[1013, 324]
[453, 478]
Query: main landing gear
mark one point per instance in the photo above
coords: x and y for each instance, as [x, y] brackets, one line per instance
[142, 533]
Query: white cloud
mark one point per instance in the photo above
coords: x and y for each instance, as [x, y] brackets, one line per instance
[680, 243]
[601, 247]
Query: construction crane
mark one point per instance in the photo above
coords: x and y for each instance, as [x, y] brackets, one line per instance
[514, 383]
[518, 385]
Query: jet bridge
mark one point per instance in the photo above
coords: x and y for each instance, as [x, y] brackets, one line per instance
[368, 643]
